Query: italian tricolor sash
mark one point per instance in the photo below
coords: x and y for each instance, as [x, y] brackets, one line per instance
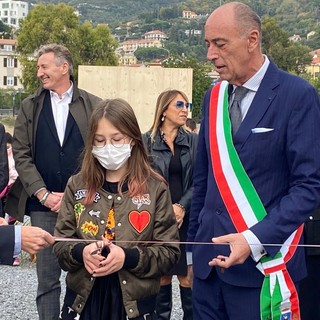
[279, 299]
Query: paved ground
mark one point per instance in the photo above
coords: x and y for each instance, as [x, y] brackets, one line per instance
[18, 290]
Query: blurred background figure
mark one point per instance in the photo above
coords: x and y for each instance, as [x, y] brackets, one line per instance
[4, 171]
[13, 174]
[171, 151]
[191, 125]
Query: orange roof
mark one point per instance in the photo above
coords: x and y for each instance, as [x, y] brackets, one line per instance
[8, 41]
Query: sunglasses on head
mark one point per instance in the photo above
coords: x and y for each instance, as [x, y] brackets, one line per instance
[180, 104]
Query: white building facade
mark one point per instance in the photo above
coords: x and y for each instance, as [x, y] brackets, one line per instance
[12, 11]
[10, 68]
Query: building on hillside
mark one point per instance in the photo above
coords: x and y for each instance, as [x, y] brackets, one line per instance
[187, 14]
[127, 59]
[132, 45]
[10, 68]
[310, 34]
[194, 32]
[295, 38]
[11, 12]
[314, 67]
[155, 34]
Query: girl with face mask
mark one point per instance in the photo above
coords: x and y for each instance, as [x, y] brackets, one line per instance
[117, 211]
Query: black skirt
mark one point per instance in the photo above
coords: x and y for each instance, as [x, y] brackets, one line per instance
[104, 302]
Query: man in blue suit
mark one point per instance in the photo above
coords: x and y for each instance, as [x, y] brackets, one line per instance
[272, 163]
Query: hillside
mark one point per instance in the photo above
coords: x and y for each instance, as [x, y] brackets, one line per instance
[295, 16]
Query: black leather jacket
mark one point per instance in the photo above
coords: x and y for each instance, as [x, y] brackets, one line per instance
[160, 155]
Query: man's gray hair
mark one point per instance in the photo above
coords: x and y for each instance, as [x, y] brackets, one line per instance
[61, 53]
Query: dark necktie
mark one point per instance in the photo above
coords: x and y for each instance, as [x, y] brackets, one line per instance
[235, 110]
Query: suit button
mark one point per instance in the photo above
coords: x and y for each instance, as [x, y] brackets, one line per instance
[61, 154]
[218, 212]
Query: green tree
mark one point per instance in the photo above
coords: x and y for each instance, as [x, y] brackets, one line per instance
[5, 30]
[148, 54]
[201, 81]
[287, 55]
[59, 24]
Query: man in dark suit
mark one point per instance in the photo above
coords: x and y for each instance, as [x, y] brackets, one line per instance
[255, 186]
[28, 238]
[4, 170]
[48, 139]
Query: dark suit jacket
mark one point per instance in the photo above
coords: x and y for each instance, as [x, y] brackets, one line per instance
[283, 165]
[6, 244]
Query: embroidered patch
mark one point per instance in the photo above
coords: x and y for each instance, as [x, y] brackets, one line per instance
[78, 209]
[139, 220]
[80, 194]
[90, 228]
[94, 213]
[97, 197]
[140, 200]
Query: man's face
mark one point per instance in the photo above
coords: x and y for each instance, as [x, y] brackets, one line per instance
[49, 72]
[227, 49]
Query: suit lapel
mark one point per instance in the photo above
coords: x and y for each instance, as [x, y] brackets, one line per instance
[259, 106]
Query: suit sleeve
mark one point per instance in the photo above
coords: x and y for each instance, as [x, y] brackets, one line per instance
[200, 176]
[7, 236]
[28, 173]
[303, 161]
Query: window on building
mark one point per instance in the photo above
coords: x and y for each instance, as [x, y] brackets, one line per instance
[5, 13]
[6, 47]
[10, 62]
[5, 5]
[10, 81]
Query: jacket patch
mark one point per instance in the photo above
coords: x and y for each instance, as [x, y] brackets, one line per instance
[80, 194]
[94, 213]
[78, 209]
[140, 200]
[90, 228]
[139, 220]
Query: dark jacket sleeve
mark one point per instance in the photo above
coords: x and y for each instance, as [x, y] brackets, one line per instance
[6, 244]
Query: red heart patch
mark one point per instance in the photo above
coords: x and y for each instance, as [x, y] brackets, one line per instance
[139, 220]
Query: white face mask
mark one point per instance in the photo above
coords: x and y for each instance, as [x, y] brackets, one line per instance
[111, 157]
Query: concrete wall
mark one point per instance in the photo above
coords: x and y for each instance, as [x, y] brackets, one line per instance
[140, 86]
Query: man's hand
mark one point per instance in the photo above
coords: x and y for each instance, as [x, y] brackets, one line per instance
[53, 202]
[239, 248]
[3, 222]
[34, 239]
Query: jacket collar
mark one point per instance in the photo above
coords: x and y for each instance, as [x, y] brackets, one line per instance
[181, 139]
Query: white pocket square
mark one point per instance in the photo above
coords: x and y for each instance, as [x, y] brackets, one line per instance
[261, 130]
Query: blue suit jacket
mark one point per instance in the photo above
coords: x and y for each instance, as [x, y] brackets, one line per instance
[6, 244]
[283, 165]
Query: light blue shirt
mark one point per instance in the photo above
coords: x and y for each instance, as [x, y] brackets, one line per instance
[17, 240]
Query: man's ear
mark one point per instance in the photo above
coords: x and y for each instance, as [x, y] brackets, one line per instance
[253, 40]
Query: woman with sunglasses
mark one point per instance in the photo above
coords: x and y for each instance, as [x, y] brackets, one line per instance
[117, 211]
[172, 151]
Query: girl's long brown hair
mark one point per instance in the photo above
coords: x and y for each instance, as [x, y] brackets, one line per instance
[122, 116]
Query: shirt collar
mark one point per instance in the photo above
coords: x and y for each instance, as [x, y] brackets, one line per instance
[254, 82]
[68, 93]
